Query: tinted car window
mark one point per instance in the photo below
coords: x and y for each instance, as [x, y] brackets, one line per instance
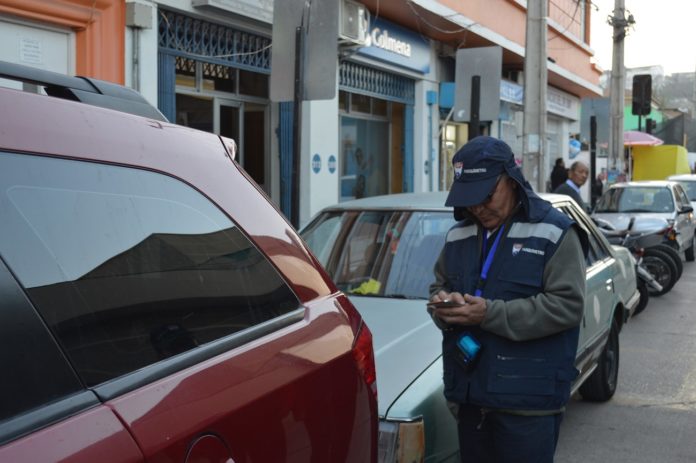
[129, 267]
[682, 199]
[596, 251]
[690, 188]
[28, 356]
[380, 253]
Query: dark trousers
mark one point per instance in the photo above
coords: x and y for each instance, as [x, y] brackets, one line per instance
[495, 437]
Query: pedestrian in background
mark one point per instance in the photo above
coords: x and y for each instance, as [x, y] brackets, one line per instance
[513, 267]
[596, 190]
[559, 174]
[577, 176]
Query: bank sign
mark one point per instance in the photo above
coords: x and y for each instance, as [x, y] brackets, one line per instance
[395, 45]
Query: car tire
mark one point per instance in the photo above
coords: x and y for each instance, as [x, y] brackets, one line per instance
[601, 385]
[689, 254]
[644, 297]
[662, 268]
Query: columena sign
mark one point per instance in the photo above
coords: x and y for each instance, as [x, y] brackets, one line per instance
[394, 44]
[380, 38]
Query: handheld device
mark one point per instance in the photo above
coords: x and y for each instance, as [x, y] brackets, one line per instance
[432, 308]
[444, 304]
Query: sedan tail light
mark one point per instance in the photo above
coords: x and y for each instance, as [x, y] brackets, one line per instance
[401, 441]
[365, 358]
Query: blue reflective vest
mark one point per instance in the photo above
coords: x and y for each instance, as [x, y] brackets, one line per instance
[513, 375]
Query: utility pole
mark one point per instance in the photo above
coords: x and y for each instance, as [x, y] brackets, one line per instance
[618, 81]
[535, 81]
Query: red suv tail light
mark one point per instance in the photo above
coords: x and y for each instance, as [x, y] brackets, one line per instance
[365, 358]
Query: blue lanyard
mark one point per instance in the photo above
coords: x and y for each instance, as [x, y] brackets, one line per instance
[489, 260]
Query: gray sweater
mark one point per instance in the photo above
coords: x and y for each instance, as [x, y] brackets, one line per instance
[558, 307]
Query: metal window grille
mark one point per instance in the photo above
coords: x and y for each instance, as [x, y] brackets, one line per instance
[360, 79]
[201, 40]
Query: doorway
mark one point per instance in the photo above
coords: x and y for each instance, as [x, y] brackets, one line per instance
[244, 122]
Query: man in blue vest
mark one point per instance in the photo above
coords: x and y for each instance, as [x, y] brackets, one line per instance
[509, 296]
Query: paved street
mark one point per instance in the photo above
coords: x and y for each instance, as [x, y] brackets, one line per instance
[652, 417]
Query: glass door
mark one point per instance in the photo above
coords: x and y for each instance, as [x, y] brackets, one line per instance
[246, 124]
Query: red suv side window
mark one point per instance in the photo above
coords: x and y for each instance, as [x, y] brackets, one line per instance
[129, 267]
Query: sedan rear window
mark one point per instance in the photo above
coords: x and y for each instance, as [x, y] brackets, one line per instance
[380, 253]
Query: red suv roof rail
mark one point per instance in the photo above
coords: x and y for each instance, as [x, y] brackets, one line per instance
[94, 92]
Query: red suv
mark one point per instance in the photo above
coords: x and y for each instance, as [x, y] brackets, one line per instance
[155, 305]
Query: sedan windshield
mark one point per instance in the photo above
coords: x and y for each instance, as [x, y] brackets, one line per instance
[380, 253]
[636, 199]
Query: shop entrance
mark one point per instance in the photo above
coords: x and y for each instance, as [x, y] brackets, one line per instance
[371, 147]
[202, 102]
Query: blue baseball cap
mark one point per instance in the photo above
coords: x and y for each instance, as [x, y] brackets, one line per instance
[477, 166]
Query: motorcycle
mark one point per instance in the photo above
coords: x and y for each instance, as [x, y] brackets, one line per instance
[655, 270]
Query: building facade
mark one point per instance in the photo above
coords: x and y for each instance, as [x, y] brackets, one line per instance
[388, 128]
[68, 36]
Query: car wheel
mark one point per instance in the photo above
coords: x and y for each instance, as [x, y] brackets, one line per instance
[662, 268]
[644, 297]
[601, 385]
[674, 255]
[689, 253]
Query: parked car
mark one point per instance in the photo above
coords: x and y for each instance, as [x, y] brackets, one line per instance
[654, 198]
[155, 305]
[381, 251]
[688, 183]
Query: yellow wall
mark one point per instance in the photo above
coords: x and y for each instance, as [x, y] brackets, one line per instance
[659, 162]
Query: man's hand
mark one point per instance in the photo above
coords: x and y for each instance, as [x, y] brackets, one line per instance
[472, 310]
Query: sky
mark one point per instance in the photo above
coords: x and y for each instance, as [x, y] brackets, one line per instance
[664, 34]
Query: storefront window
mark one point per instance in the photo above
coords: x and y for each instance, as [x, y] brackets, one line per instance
[185, 72]
[343, 100]
[194, 111]
[453, 137]
[253, 84]
[379, 107]
[217, 77]
[360, 103]
[365, 158]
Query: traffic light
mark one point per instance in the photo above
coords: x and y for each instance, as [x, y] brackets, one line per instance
[642, 94]
[650, 125]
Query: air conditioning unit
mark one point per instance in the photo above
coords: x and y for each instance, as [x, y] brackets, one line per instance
[353, 23]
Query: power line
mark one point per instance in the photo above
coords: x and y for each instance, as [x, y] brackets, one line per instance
[572, 19]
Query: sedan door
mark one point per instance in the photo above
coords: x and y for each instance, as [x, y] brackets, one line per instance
[684, 224]
[599, 289]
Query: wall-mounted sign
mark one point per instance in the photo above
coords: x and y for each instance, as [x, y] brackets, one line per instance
[332, 164]
[316, 163]
[397, 45]
[511, 92]
[30, 51]
[483, 63]
[562, 103]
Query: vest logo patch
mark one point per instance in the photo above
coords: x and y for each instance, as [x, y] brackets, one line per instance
[516, 248]
[538, 252]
